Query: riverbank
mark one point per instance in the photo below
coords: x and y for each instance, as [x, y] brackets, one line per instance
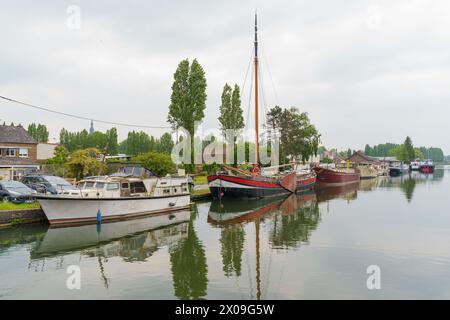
[18, 216]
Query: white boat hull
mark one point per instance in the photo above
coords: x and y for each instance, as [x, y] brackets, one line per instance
[60, 210]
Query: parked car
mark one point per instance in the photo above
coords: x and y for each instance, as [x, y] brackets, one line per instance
[16, 192]
[47, 184]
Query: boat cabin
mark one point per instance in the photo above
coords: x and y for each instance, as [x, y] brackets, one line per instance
[120, 187]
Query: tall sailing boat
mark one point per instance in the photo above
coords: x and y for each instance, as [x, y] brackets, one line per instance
[238, 183]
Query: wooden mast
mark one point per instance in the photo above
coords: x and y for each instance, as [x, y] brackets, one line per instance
[256, 91]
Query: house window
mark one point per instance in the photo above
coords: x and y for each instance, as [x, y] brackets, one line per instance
[23, 152]
[10, 152]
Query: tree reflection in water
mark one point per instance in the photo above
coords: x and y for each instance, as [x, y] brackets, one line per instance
[232, 240]
[407, 186]
[189, 268]
[295, 223]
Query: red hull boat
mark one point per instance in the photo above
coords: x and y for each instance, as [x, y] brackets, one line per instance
[306, 182]
[336, 177]
[426, 168]
[237, 183]
[250, 186]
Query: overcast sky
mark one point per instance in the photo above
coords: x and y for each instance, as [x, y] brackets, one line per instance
[365, 71]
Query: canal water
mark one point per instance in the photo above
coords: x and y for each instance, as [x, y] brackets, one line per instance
[319, 245]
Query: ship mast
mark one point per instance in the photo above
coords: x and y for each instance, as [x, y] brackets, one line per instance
[256, 90]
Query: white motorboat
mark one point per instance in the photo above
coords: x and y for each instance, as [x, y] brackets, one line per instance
[116, 197]
[415, 165]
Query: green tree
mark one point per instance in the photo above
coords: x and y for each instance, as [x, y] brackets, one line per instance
[188, 100]
[299, 139]
[166, 143]
[327, 160]
[399, 152]
[60, 156]
[409, 149]
[111, 138]
[136, 143]
[160, 163]
[231, 114]
[273, 121]
[368, 150]
[38, 132]
[349, 152]
[84, 163]
[418, 154]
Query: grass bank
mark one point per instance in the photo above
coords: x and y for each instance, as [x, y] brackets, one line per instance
[12, 206]
[200, 180]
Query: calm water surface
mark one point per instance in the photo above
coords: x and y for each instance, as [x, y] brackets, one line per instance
[317, 245]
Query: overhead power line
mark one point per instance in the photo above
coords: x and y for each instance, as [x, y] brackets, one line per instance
[82, 117]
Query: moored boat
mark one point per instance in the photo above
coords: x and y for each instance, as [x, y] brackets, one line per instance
[238, 183]
[337, 176]
[235, 183]
[115, 198]
[415, 165]
[305, 181]
[398, 170]
[427, 167]
[367, 171]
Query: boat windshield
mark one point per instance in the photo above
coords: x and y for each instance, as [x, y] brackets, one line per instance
[57, 181]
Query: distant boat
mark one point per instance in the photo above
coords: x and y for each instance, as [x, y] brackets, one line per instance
[398, 170]
[338, 176]
[415, 165]
[367, 171]
[427, 167]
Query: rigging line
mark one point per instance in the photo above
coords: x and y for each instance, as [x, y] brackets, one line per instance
[263, 53]
[246, 73]
[81, 117]
[249, 101]
[263, 95]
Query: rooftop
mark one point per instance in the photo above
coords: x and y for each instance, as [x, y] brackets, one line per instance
[15, 134]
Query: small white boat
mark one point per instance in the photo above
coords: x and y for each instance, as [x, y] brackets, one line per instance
[415, 165]
[115, 198]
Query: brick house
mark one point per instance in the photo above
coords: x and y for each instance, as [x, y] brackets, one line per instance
[18, 152]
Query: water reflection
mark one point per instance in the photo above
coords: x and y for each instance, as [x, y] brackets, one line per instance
[246, 229]
[297, 219]
[133, 240]
[189, 268]
[408, 182]
[348, 192]
[292, 218]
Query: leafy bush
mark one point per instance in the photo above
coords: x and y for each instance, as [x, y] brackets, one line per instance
[160, 163]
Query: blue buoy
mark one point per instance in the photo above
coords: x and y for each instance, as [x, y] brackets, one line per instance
[99, 216]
